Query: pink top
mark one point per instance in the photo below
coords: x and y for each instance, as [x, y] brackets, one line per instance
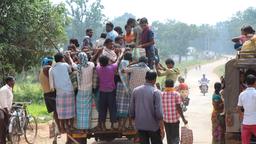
[106, 77]
[243, 38]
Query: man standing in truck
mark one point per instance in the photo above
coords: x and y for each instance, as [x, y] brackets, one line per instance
[246, 101]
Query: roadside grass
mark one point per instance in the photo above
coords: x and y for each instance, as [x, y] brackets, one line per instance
[40, 112]
[220, 70]
[29, 90]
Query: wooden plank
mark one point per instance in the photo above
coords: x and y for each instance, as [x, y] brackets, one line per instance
[72, 139]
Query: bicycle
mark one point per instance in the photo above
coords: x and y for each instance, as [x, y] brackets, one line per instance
[22, 123]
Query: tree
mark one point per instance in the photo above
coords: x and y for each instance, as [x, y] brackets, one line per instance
[122, 20]
[174, 37]
[84, 16]
[28, 31]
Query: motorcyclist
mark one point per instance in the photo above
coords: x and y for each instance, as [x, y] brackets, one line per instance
[203, 81]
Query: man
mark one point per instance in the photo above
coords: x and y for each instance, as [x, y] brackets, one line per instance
[137, 73]
[111, 33]
[146, 110]
[49, 96]
[65, 97]
[109, 51]
[203, 81]
[147, 42]
[171, 102]
[87, 42]
[6, 98]
[246, 101]
[100, 42]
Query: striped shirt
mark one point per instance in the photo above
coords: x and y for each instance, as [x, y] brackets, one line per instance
[137, 74]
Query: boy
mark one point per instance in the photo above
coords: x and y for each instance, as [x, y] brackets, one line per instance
[147, 42]
[170, 72]
[107, 99]
[171, 102]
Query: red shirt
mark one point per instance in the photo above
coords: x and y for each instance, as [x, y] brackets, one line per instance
[183, 86]
[170, 98]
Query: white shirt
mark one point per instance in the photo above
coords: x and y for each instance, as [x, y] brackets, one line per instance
[6, 97]
[247, 99]
[99, 43]
[59, 77]
[204, 80]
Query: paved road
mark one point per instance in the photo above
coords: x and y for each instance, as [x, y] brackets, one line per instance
[198, 114]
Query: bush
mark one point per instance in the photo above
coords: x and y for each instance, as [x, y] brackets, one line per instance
[28, 91]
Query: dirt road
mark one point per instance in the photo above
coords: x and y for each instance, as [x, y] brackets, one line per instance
[200, 108]
[198, 114]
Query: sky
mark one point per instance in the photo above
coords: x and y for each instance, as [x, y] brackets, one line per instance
[188, 11]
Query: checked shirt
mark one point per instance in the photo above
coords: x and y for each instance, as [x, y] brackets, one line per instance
[170, 98]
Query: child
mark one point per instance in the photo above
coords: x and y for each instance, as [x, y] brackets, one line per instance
[129, 37]
[184, 92]
[170, 72]
[250, 45]
[246, 33]
[107, 98]
[171, 103]
[147, 42]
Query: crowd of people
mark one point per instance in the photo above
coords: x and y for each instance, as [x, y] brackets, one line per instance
[119, 73]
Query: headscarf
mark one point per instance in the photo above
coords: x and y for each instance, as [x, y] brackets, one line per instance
[83, 62]
[46, 60]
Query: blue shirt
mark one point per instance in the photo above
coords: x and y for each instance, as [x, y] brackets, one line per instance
[112, 35]
[146, 107]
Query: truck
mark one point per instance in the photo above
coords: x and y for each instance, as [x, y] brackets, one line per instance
[81, 136]
[235, 71]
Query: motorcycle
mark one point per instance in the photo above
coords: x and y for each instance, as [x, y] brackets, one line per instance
[204, 88]
[185, 103]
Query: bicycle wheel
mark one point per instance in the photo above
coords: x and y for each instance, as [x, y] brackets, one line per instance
[30, 129]
[14, 135]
